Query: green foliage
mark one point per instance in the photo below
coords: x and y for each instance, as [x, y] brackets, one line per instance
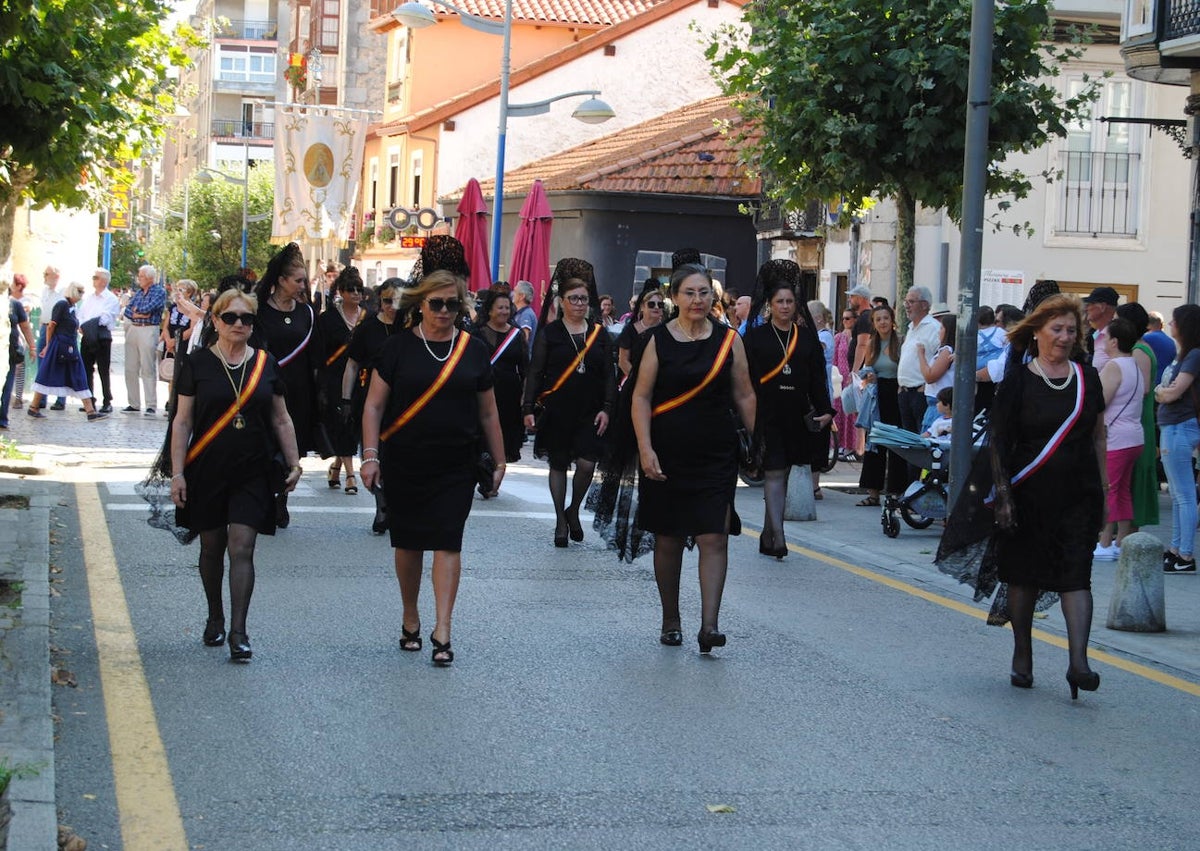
[124, 259]
[385, 234]
[10, 771]
[10, 451]
[83, 88]
[862, 98]
[214, 232]
[365, 237]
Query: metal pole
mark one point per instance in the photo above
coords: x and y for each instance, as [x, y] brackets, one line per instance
[975, 162]
[498, 205]
[245, 198]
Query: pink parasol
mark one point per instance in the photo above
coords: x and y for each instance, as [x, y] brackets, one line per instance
[531, 244]
[471, 231]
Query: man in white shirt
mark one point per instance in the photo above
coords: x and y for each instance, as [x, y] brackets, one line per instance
[923, 329]
[50, 297]
[1100, 308]
[97, 313]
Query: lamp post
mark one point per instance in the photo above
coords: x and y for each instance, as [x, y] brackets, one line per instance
[414, 15]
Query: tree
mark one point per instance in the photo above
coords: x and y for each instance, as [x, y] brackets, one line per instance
[214, 230]
[83, 90]
[862, 98]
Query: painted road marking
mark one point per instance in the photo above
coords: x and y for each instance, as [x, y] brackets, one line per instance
[1136, 668]
[146, 804]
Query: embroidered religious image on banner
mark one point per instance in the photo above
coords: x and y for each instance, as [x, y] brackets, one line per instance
[318, 166]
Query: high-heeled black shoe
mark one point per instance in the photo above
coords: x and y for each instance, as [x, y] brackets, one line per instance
[671, 637]
[379, 526]
[214, 632]
[335, 480]
[1021, 680]
[442, 650]
[1088, 681]
[410, 641]
[239, 647]
[560, 537]
[710, 638]
[574, 527]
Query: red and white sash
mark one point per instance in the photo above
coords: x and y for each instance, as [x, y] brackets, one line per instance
[284, 361]
[1055, 440]
[504, 344]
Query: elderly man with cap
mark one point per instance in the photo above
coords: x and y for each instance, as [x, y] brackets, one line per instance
[1100, 308]
[859, 298]
[923, 330]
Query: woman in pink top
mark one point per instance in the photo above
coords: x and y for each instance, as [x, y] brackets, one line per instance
[1125, 386]
[847, 433]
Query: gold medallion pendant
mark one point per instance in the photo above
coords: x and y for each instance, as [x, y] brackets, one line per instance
[239, 422]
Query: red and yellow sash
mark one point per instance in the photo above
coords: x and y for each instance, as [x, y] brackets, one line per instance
[787, 356]
[421, 401]
[574, 365]
[260, 364]
[332, 359]
[718, 363]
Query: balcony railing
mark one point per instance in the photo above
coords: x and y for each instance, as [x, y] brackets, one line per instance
[1099, 194]
[247, 30]
[393, 92]
[237, 129]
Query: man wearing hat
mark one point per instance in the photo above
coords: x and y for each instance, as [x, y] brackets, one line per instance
[860, 338]
[1100, 307]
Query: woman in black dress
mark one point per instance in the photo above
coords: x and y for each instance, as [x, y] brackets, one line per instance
[229, 416]
[366, 347]
[506, 350]
[787, 367]
[647, 312]
[336, 324]
[60, 368]
[429, 408]
[572, 378]
[691, 379]
[1046, 472]
[286, 327]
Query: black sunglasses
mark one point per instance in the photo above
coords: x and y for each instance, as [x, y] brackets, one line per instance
[352, 289]
[437, 305]
[229, 318]
[654, 304]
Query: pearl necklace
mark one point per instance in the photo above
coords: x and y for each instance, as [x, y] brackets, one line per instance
[358, 316]
[421, 332]
[1037, 367]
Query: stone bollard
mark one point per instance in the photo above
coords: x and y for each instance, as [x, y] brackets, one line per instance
[799, 504]
[1137, 603]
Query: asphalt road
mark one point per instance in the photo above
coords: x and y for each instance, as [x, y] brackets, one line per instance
[844, 713]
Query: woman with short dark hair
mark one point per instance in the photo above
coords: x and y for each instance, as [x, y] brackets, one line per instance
[1175, 395]
[342, 315]
[507, 353]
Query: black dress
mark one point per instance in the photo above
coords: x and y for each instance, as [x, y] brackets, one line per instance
[784, 399]
[428, 466]
[366, 347]
[1060, 507]
[566, 428]
[696, 443]
[335, 336]
[287, 336]
[509, 374]
[230, 480]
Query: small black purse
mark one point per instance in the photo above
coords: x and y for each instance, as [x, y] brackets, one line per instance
[485, 473]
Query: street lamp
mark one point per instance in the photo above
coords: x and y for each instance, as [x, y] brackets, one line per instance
[414, 15]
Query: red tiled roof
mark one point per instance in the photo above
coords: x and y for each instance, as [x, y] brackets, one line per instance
[480, 94]
[601, 13]
[683, 152]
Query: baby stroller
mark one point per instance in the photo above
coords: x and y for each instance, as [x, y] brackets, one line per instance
[928, 498]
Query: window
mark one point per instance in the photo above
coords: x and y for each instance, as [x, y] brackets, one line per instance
[418, 161]
[1101, 166]
[374, 184]
[238, 64]
[393, 178]
[326, 25]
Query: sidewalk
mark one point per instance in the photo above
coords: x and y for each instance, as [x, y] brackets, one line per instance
[854, 534]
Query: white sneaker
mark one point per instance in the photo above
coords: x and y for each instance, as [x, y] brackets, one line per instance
[1109, 553]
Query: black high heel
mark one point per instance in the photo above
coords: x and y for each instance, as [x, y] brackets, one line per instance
[560, 537]
[1021, 680]
[214, 632]
[1088, 681]
[442, 650]
[335, 480]
[379, 526]
[671, 637]
[710, 638]
[574, 527]
[410, 641]
[239, 647]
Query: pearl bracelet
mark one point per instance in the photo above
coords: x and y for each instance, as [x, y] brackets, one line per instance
[367, 461]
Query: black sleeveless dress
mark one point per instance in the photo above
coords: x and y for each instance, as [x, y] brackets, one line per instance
[696, 443]
[335, 336]
[509, 371]
[783, 400]
[284, 336]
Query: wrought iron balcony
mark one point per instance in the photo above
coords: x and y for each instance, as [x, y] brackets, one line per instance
[246, 30]
[236, 128]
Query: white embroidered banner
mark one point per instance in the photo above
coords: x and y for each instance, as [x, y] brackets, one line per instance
[318, 166]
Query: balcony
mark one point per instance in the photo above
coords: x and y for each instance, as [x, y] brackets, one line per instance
[1098, 194]
[1182, 19]
[236, 128]
[393, 92]
[246, 30]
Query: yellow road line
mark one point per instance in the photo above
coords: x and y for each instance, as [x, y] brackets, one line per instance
[1136, 668]
[146, 805]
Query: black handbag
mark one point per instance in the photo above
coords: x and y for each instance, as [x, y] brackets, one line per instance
[485, 472]
[750, 455]
[67, 354]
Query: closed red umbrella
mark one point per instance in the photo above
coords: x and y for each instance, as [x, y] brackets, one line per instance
[531, 245]
[471, 231]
